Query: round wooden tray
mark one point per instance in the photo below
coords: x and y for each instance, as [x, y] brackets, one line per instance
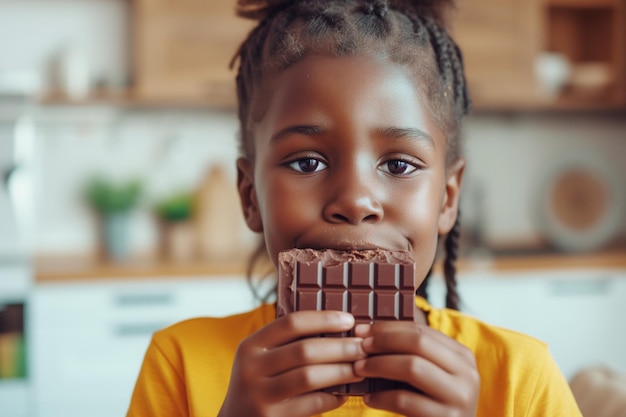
[581, 207]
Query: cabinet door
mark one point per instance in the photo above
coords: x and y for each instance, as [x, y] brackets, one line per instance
[87, 344]
[577, 313]
[87, 341]
[182, 49]
[499, 40]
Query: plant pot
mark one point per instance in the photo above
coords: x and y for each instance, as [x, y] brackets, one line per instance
[116, 236]
[179, 243]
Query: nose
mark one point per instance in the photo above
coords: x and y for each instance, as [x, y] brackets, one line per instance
[353, 200]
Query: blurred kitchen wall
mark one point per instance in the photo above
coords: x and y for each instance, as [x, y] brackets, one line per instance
[511, 155]
[36, 33]
[513, 158]
[83, 355]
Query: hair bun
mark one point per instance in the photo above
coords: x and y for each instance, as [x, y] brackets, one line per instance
[260, 9]
[437, 10]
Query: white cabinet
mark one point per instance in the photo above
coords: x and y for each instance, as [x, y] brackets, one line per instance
[88, 340]
[579, 314]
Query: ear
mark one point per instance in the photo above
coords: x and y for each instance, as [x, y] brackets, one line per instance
[247, 195]
[450, 205]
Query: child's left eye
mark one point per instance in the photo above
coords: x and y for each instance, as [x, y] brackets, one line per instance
[398, 167]
[307, 165]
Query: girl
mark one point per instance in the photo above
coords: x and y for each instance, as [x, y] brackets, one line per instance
[350, 114]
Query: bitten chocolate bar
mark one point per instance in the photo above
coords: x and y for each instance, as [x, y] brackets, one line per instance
[372, 284]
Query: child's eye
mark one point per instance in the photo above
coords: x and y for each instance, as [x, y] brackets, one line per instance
[307, 165]
[398, 167]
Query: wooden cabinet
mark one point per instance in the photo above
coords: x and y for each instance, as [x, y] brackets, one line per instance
[182, 50]
[590, 33]
[503, 41]
[499, 39]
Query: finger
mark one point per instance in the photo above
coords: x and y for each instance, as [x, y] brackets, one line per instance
[362, 330]
[421, 343]
[311, 351]
[414, 370]
[310, 378]
[310, 404]
[303, 323]
[386, 326]
[405, 403]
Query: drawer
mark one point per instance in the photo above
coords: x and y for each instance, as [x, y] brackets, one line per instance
[88, 340]
[78, 306]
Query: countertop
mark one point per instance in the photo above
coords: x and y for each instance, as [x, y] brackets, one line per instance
[82, 268]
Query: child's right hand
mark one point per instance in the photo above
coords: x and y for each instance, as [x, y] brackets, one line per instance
[278, 369]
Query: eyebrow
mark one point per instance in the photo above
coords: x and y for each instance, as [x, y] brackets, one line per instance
[307, 130]
[388, 132]
[406, 132]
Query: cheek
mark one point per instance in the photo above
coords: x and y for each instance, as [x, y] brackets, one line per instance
[286, 211]
[422, 217]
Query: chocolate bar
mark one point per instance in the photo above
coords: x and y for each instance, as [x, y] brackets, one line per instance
[373, 285]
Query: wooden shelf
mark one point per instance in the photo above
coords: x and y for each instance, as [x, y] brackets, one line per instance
[583, 4]
[500, 41]
[80, 269]
[559, 104]
[130, 98]
[510, 263]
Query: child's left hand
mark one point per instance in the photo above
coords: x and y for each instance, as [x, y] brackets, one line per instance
[441, 368]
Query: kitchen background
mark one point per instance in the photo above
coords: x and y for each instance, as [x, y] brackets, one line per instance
[118, 213]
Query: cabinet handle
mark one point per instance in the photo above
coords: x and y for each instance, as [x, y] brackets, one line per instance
[138, 329]
[140, 300]
[572, 287]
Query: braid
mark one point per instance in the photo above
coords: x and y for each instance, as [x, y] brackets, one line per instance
[259, 257]
[449, 267]
[461, 89]
[373, 16]
[450, 64]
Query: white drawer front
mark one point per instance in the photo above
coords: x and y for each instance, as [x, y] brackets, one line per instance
[89, 340]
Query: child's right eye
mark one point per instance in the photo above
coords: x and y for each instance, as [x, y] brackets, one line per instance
[307, 165]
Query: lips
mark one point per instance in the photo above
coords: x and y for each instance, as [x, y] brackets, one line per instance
[345, 241]
[343, 246]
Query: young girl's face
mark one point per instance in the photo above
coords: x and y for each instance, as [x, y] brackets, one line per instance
[347, 156]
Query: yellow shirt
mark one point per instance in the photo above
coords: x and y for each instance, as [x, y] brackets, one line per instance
[187, 368]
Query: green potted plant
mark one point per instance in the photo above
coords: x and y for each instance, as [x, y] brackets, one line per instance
[176, 208]
[178, 235]
[113, 202]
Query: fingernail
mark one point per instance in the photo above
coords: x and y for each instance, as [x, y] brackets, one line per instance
[359, 366]
[362, 329]
[358, 346]
[346, 319]
[368, 343]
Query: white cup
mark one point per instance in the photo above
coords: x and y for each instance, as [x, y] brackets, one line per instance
[552, 71]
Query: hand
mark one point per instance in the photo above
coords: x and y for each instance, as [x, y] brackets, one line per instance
[278, 369]
[441, 368]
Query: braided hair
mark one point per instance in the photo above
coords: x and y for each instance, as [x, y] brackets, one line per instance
[410, 33]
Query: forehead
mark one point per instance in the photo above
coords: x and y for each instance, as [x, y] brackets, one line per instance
[363, 89]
